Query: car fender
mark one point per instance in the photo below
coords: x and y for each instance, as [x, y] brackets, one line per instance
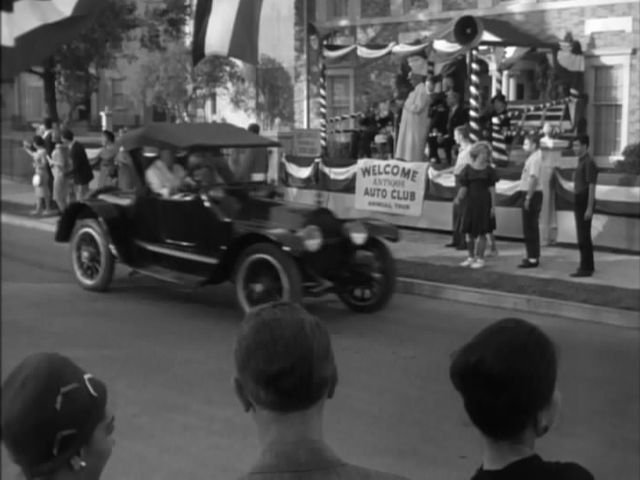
[111, 218]
[288, 241]
[380, 229]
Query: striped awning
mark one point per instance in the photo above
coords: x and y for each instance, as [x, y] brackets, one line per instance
[33, 29]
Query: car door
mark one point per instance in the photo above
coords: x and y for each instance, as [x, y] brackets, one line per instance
[190, 226]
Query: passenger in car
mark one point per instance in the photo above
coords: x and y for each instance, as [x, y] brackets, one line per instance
[164, 176]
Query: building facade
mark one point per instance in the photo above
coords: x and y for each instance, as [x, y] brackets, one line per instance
[608, 32]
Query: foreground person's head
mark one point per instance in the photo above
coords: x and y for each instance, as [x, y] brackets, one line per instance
[56, 424]
[506, 376]
[284, 361]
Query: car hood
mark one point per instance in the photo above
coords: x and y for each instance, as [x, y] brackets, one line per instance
[267, 213]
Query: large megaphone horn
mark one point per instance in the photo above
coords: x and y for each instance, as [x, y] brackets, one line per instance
[467, 31]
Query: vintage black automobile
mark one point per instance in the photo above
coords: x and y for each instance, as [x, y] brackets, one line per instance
[244, 233]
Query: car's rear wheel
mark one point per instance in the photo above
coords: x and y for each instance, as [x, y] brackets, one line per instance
[371, 283]
[265, 274]
[92, 261]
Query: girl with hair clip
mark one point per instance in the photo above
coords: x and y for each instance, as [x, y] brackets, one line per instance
[56, 421]
[477, 182]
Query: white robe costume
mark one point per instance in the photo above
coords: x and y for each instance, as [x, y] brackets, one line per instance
[414, 126]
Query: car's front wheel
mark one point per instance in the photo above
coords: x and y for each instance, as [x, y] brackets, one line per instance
[265, 274]
[370, 283]
[92, 261]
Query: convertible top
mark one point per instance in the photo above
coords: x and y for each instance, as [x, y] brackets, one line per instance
[187, 135]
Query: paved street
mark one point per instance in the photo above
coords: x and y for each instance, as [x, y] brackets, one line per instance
[166, 354]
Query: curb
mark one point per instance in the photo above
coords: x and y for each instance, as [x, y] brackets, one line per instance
[490, 298]
[530, 304]
[33, 223]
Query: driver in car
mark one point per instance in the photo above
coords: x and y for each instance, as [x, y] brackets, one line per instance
[207, 170]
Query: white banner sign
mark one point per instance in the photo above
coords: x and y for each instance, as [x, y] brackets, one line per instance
[390, 186]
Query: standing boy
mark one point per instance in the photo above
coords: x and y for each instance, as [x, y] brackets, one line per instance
[584, 181]
[506, 376]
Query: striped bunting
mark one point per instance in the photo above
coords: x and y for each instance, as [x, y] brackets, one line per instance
[611, 197]
[227, 28]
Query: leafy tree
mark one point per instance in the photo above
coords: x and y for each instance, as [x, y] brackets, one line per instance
[169, 80]
[275, 87]
[72, 70]
[164, 23]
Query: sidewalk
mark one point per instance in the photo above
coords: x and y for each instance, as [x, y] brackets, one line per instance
[427, 267]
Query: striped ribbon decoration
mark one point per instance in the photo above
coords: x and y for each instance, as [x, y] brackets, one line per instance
[474, 94]
[543, 106]
[346, 116]
[343, 130]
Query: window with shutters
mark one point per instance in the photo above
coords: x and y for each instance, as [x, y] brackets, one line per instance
[607, 107]
[339, 92]
[118, 97]
[608, 75]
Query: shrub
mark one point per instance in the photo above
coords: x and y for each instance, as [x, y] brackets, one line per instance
[631, 160]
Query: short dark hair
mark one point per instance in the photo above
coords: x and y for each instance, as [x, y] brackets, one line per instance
[45, 395]
[38, 141]
[506, 375]
[254, 128]
[108, 134]
[48, 123]
[583, 139]
[67, 134]
[284, 359]
[479, 147]
[533, 138]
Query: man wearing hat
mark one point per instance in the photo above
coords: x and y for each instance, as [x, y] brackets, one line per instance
[285, 372]
[414, 123]
[55, 420]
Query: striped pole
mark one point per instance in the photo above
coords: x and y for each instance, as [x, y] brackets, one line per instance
[323, 125]
[323, 102]
[474, 94]
[498, 141]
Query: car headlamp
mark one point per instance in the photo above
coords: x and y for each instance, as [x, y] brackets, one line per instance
[357, 232]
[311, 237]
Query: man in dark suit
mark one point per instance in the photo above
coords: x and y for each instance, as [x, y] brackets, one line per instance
[458, 116]
[81, 173]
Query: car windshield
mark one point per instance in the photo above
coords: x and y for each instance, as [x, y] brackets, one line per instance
[168, 171]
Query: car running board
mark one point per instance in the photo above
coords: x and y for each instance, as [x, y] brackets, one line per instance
[171, 276]
[194, 257]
